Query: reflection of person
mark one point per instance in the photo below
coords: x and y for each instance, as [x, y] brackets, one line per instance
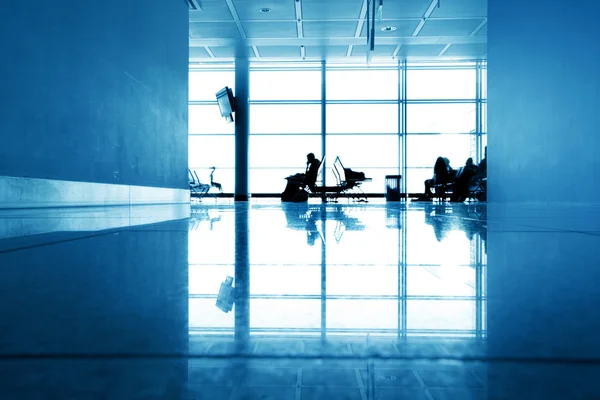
[445, 218]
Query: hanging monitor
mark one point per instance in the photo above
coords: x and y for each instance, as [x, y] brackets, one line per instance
[226, 103]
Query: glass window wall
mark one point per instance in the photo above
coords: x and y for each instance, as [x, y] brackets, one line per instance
[364, 122]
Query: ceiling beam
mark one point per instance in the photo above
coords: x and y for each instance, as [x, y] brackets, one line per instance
[479, 27]
[427, 14]
[299, 26]
[361, 19]
[445, 49]
[209, 51]
[236, 18]
[348, 41]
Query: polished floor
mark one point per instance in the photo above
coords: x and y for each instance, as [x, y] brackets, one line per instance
[266, 300]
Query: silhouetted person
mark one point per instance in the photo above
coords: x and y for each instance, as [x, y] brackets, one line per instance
[463, 178]
[295, 189]
[442, 174]
[312, 170]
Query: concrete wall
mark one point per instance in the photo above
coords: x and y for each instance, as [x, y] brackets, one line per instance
[95, 91]
[543, 90]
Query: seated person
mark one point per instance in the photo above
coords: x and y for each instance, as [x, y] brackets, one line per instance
[442, 174]
[461, 182]
[294, 191]
[312, 170]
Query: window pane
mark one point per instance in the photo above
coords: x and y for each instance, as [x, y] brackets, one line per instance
[209, 151]
[208, 119]
[484, 83]
[362, 85]
[224, 176]
[285, 85]
[204, 85]
[415, 178]
[362, 118]
[440, 314]
[270, 180]
[441, 84]
[283, 151]
[440, 118]
[423, 150]
[377, 185]
[359, 151]
[285, 118]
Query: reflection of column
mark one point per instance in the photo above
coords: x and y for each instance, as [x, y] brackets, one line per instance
[324, 119]
[242, 123]
[323, 218]
[478, 287]
[402, 275]
[242, 276]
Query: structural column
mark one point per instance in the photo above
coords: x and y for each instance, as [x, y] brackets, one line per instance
[242, 124]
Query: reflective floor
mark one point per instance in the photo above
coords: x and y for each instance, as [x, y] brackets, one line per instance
[300, 301]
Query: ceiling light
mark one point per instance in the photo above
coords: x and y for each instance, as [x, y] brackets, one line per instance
[265, 10]
[388, 29]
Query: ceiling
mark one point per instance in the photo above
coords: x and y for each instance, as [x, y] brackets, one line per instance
[335, 30]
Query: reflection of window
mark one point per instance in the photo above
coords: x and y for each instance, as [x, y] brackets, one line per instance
[207, 279]
[283, 151]
[204, 85]
[362, 118]
[208, 151]
[438, 241]
[423, 150]
[362, 85]
[208, 119]
[204, 314]
[375, 280]
[285, 118]
[285, 313]
[440, 118]
[447, 280]
[440, 84]
[440, 314]
[362, 314]
[283, 279]
[285, 85]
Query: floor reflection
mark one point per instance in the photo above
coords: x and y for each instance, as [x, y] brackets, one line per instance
[332, 271]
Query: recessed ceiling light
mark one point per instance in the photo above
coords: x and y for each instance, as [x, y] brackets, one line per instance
[388, 29]
[265, 10]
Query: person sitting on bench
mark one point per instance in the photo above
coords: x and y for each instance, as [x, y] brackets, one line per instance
[442, 175]
[462, 180]
[294, 190]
